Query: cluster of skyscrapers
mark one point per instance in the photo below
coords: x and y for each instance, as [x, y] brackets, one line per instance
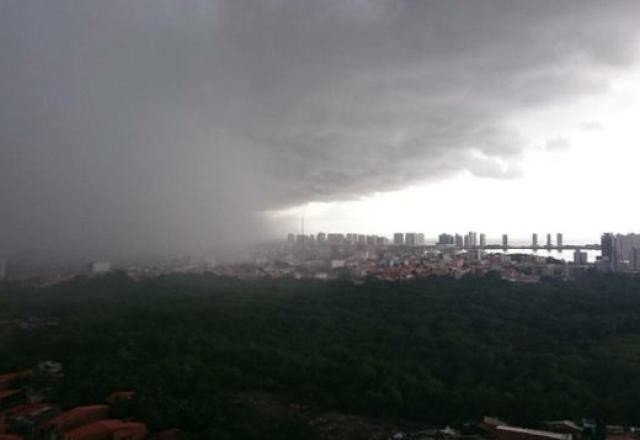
[620, 252]
[471, 240]
[338, 239]
[408, 239]
[559, 241]
[468, 241]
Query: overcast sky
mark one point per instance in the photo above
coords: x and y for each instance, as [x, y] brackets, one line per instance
[133, 127]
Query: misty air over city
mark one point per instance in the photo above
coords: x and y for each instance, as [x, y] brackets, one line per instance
[319, 219]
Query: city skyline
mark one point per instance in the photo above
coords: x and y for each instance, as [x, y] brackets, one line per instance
[557, 238]
[471, 239]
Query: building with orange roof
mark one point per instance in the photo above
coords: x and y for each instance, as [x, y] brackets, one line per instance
[505, 432]
[13, 379]
[11, 437]
[119, 396]
[25, 409]
[9, 398]
[108, 430]
[75, 418]
[28, 418]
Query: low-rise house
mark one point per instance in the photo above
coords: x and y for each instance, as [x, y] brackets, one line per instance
[120, 396]
[615, 430]
[74, 418]
[14, 379]
[505, 432]
[27, 419]
[564, 426]
[108, 430]
[11, 437]
[10, 398]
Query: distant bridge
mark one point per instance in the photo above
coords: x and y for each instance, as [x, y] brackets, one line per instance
[499, 247]
[595, 247]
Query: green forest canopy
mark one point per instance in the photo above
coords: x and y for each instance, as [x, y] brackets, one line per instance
[439, 351]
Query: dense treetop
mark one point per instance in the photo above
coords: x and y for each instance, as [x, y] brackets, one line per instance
[438, 351]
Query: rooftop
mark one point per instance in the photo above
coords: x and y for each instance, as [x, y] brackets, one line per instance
[547, 434]
[78, 412]
[105, 426]
[27, 409]
[8, 393]
[11, 377]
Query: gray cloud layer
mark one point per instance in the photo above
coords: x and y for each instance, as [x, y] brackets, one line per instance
[137, 126]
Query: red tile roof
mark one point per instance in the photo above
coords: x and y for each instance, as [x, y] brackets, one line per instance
[120, 395]
[106, 428]
[27, 408]
[78, 416]
[8, 393]
[11, 437]
[8, 379]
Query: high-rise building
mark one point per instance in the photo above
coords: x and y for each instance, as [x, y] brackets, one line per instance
[505, 241]
[624, 246]
[322, 237]
[635, 259]
[291, 238]
[580, 257]
[410, 239]
[459, 241]
[446, 239]
[609, 252]
[549, 244]
[559, 239]
[381, 241]
[473, 239]
[420, 239]
[483, 241]
[352, 238]
[3, 269]
[534, 240]
[398, 239]
[466, 242]
[607, 243]
[362, 239]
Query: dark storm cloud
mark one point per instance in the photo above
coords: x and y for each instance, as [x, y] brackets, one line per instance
[131, 126]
